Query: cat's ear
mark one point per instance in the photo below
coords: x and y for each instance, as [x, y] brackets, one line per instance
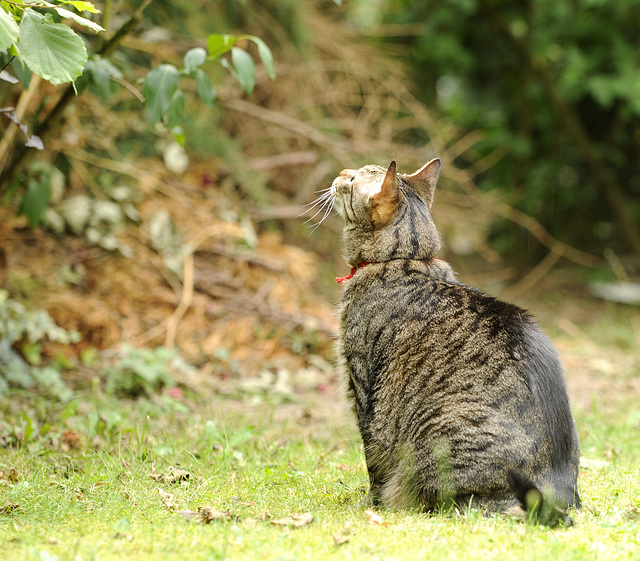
[385, 202]
[425, 179]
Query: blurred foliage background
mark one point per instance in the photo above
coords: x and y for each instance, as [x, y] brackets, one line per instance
[533, 106]
[553, 85]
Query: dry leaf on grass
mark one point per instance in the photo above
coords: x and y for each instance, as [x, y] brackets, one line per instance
[9, 507]
[630, 514]
[172, 475]
[208, 514]
[168, 499]
[342, 536]
[294, 520]
[11, 475]
[594, 510]
[189, 515]
[373, 518]
[339, 539]
[71, 439]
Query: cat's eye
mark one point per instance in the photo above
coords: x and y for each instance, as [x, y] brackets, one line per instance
[353, 177]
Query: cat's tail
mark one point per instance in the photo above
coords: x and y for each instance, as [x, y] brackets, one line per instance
[540, 507]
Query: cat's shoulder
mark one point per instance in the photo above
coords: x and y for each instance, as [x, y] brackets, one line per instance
[476, 300]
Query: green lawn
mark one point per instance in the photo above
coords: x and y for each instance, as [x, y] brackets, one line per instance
[93, 480]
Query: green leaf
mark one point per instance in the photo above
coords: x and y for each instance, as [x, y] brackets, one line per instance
[79, 19]
[101, 71]
[22, 72]
[29, 428]
[265, 56]
[159, 86]
[217, 44]
[245, 69]
[205, 90]
[82, 6]
[50, 50]
[88, 356]
[194, 58]
[8, 29]
[32, 352]
[178, 135]
[35, 200]
[176, 110]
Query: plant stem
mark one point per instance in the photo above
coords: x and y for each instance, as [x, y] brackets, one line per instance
[106, 17]
[23, 102]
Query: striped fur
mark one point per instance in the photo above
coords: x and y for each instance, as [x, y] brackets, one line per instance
[452, 389]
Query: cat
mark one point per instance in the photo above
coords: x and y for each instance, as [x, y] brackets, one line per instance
[459, 397]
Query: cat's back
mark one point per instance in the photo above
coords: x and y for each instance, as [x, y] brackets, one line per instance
[412, 318]
[427, 296]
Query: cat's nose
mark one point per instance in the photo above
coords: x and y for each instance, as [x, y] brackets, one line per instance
[347, 173]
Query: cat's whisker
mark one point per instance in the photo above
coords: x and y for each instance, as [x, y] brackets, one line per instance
[319, 211]
[324, 203]
[324, 191]
[317, 202]
[328, 211]
[321, 200]
[322, 194]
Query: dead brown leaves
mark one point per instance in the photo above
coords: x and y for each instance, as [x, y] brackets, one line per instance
[10, 475]
[171, 476]
[168, 499]
[294, 520]
[207, 515]
[373, 518]
[9, 507]
[629, 514]
[343, 536]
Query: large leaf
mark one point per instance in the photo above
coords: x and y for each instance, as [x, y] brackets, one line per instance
[8, 29]
[245, 69]
[82, 6]
[159, 86]
[50, 50]
[176, 110]
[36, 200]
[79, 19]
[194, 58]
[220, 44]
[101, 72]
[205, 89]
[265, 56]
[22, 72]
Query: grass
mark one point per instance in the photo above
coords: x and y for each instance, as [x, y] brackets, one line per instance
[76, 484]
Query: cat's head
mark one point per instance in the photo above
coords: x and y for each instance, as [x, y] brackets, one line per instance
[387, 214]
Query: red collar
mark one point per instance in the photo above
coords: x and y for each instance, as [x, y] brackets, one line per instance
[364, 264]
[353, 271]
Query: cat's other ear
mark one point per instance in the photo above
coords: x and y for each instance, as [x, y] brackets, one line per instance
[425, 179]
[385, 202]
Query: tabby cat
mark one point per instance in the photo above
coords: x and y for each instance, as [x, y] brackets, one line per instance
[459, 397]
